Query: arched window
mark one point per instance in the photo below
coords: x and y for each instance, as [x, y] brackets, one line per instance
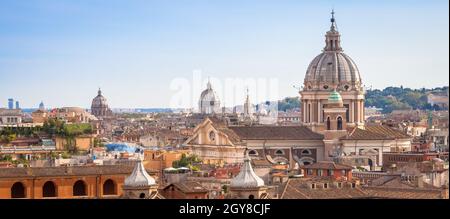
[279, 152]
[251, 197]
[328, 123]
[142, 195]
[79, 188]
[339, 123]
[49, 189]
[18, 190]
[109, 187]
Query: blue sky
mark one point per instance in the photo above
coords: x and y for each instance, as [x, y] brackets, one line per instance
[61, 51]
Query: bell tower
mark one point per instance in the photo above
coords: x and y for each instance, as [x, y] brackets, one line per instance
[335, 124]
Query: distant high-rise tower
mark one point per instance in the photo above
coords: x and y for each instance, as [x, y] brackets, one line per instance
[17, 105]
[10, 103]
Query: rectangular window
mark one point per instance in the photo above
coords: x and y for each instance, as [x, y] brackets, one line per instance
[319, 172]
[330, 172]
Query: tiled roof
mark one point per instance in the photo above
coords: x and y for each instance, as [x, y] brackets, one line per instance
[189, 187]
[399, 193]
[375, 132]
[329, 165]
[297, 189]
[393, 187]
[275, 132]
[385, 130]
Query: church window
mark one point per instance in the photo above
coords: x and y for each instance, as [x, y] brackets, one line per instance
[347, 112]
[339, 123]
[313, 186]
[251, 197]
[325, 185]
[353, 185]
[325, 87]
[319, 172]
[142, 195]
[328, 124]
[309, 112]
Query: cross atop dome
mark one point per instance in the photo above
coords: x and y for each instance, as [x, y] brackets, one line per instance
[333, 21]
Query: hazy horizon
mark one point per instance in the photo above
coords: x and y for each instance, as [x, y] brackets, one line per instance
[61, 51]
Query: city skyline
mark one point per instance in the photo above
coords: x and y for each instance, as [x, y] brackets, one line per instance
[62, 52]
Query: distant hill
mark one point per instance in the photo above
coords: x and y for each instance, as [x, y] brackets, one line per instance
[393, 98]
[388, 99]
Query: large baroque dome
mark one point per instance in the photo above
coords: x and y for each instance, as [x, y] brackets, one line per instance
[332, 72]
[332, 69]
[209, 102]
[99, 107]
[99, 101]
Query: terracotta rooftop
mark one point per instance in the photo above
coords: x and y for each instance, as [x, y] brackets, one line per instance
[329, 165]
[298, 189]
[188, 187]
[275, 132]
[375, 132]
[393, 187]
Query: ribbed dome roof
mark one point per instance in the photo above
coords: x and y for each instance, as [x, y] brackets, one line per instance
[139, 177]
[99, 101]
[209, 94]
[332, 69]
[247, 178]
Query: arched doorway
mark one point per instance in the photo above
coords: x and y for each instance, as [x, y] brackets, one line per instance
[18, 190]
[49, 189]
[109, 187]
[79, 188]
